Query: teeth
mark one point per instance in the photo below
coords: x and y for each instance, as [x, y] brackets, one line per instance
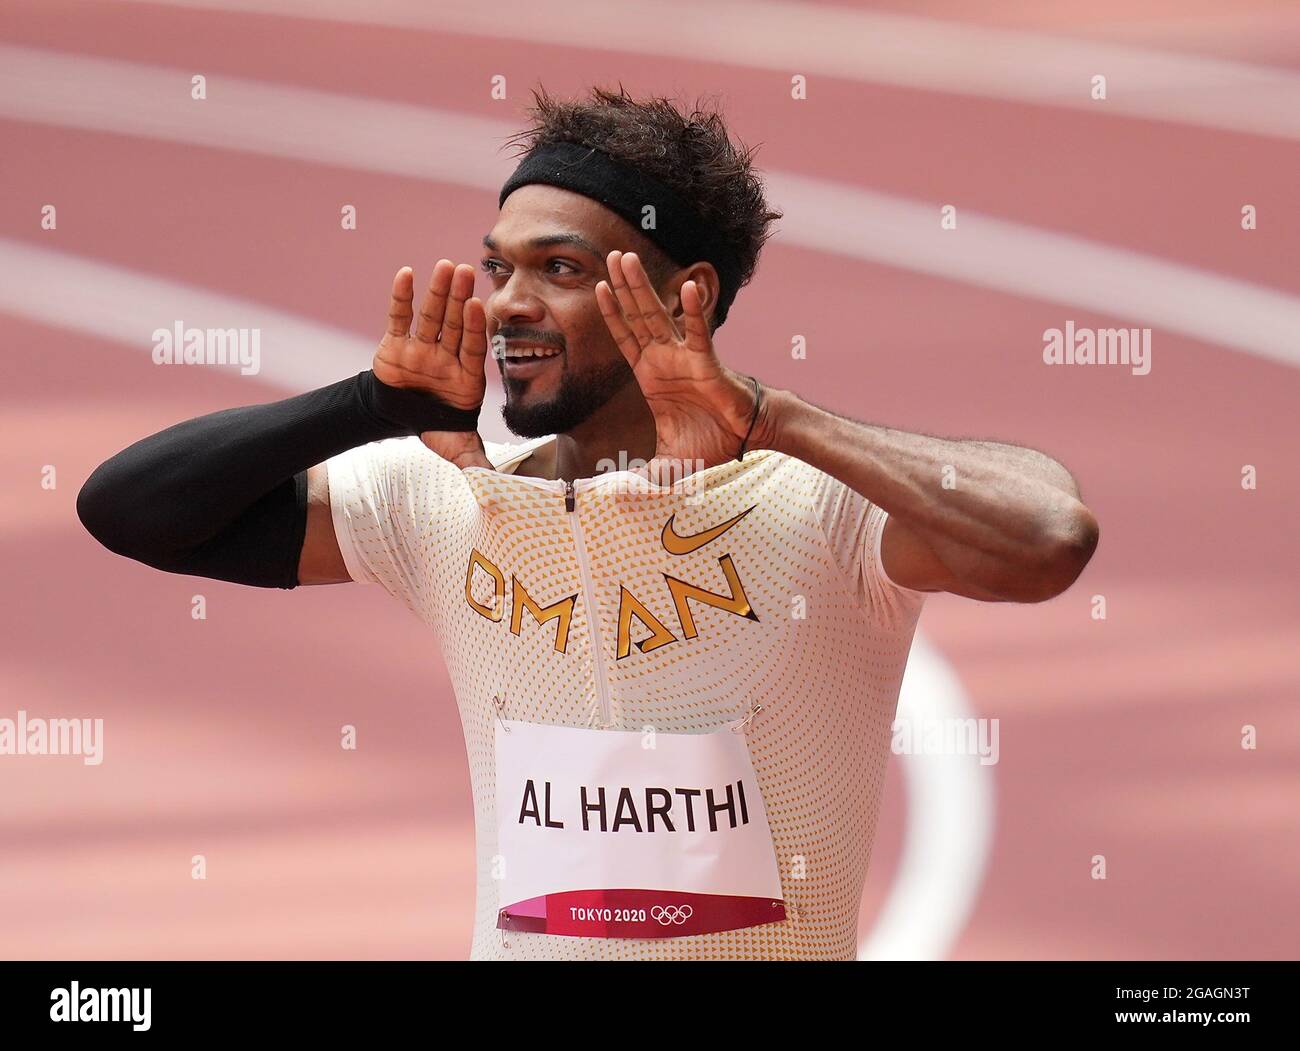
[530, 352]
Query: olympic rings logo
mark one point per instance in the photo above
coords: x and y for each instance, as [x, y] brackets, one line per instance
[667, 915]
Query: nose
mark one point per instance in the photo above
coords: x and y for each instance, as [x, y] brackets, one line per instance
[513, 302]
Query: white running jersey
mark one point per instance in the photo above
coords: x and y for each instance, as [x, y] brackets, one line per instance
[619, 604]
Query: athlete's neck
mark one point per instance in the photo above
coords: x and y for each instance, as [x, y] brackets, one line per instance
[620, 432]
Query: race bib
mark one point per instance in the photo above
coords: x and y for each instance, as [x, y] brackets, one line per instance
[623, 834]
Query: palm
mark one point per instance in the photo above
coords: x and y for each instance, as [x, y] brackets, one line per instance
[445, 355]
[683, 391]
[701, 409]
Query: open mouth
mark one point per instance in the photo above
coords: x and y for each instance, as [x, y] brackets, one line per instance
[524, 362]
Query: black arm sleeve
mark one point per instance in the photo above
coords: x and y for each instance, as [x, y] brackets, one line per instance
[225, 495]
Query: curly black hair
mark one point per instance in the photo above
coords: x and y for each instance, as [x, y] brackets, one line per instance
[690, 152]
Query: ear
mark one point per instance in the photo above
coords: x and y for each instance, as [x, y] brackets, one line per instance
[706, 280]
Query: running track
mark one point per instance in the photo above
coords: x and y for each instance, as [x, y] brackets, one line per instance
[1117, 737]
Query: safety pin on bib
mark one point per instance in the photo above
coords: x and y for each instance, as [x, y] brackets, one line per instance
[742, 725]
[498, 704]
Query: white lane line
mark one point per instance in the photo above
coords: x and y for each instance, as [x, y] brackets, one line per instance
[948, 815]
[127, 98]
[126, 306]
[1127, 287]
[1049, 69]
[949, 826]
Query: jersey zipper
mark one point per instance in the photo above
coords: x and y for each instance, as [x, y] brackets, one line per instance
[593, 614]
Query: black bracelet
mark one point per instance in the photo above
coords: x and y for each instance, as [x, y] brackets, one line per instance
[758, 400]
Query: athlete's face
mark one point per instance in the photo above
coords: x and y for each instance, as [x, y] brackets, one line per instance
[544, 257]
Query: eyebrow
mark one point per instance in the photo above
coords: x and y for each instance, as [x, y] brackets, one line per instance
[551, 239]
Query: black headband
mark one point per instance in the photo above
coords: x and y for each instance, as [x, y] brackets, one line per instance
[679, 231]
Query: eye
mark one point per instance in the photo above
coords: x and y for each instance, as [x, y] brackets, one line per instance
[573, 267]
[487, 266]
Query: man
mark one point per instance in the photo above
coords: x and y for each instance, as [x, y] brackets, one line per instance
[677, 680]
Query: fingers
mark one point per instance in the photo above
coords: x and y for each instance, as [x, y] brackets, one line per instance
[453, 323]
[626, 301]
[474, 342]
[640, 300]
[399, 307]
[697, 329]
[614, 321]
[434, 305]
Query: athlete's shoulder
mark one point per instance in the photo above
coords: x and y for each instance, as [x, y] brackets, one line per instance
[802, 483]
[789, 469]
[505, 456]
[393, 464]
[405, 452]
[384, 450]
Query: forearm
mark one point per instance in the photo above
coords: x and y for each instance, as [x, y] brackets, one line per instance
[223, 495]
[993, 515]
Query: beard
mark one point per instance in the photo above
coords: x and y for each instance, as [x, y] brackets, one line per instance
[579, 396]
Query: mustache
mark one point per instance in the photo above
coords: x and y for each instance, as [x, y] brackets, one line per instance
[511, 333]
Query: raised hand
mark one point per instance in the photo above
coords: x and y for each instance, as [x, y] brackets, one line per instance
[446, 355]
[702, 409]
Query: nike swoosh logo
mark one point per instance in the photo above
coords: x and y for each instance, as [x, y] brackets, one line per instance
[676, 544]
